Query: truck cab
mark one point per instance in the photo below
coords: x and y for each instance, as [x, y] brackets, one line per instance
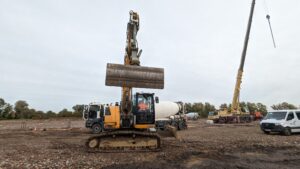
[99, 117]
[282, 121]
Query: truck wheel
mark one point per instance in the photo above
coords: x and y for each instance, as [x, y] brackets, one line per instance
[266, 132]
[96, 128]
[287, 131]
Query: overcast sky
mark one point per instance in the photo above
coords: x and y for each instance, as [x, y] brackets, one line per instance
[53, 53]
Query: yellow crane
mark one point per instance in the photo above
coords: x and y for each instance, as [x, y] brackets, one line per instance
[235, 114]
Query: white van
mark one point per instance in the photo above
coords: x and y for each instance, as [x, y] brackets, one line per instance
[283, 121]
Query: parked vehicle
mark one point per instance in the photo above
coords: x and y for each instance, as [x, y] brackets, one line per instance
[282, 121]
[192, 116]
[170, 114]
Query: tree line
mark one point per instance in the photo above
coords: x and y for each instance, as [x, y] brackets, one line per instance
[21, 110]
[204, 108]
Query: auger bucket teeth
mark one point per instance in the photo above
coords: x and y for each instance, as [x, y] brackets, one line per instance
[134, 76]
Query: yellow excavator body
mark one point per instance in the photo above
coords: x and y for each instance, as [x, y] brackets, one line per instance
[129, 126]
[112, 119]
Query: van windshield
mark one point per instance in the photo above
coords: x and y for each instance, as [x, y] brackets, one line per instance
[276, 115]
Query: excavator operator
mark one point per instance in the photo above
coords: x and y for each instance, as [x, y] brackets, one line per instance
[143, 106]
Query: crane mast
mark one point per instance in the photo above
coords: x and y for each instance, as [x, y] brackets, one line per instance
[235, 108]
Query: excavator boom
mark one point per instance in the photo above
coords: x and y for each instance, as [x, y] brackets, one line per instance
[131, 74]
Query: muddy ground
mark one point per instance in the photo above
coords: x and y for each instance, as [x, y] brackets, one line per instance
[201, 146]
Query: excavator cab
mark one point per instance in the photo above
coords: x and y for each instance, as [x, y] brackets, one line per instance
[143, 108]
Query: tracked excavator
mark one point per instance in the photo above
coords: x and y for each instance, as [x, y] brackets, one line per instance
[235, 114]
[130, 124]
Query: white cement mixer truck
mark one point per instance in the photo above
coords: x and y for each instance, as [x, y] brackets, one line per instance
[169, 113]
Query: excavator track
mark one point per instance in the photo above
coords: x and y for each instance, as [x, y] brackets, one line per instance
[124, 141]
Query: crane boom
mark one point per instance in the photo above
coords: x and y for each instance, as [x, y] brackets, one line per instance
[235, 108]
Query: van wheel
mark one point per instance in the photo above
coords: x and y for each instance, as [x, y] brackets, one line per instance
[96, 128]
[287, 131]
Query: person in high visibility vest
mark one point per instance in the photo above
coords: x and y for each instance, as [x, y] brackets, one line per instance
[142, 106]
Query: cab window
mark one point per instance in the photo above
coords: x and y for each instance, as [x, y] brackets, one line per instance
[298, 114]
[290, 116]
[144, 103]
[107, 111]
[93, 109]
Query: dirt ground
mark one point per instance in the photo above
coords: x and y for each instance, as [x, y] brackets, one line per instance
[201, 146]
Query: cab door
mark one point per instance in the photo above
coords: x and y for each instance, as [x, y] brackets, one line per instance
[297, 127]
[143, 109]
[291, 121]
